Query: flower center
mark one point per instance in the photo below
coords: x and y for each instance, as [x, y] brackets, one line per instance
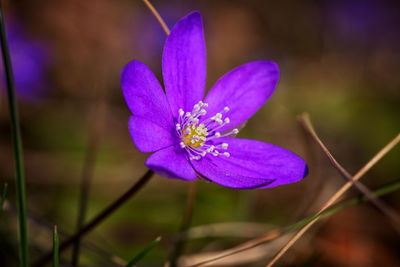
[196, 137]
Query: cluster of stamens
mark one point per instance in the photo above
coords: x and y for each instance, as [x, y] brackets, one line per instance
[195, 135]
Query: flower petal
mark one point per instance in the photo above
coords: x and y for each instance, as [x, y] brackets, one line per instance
[171, 162]
[252, 164]
[149, 136]
[184, 63]
[149, 106]
[244, 90]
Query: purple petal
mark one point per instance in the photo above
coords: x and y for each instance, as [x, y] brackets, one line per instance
[244, 90]
[252, 164]
[152, 117]
[184, 63]
[171, 162]
[149, 136]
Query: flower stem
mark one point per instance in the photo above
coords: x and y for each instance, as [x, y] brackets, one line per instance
[99, 218]
[94, 140]
[179, 244]
[17, 145]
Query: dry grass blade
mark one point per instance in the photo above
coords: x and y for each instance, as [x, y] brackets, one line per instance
[278, 232]
[388, 211]
[243, 247]
[157, 16]
[336, 196]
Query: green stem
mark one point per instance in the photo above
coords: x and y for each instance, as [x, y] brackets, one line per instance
[100, 217]
[17, 146]
[55, 247]
[143, 253]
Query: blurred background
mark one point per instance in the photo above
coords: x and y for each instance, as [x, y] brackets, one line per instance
[339, 62]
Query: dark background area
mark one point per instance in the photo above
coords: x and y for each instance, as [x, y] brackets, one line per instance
[339, 61]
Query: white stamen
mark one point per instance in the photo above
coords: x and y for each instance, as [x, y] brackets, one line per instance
[196, 136]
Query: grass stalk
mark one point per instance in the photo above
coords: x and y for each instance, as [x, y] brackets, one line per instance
[55, 247]
[100, 217]
[143, 253]
[17, 145]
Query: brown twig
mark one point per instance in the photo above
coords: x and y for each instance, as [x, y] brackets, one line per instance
[336, 196]
[388, 211]
[157, 16]
[99, 218]
[278, 232]
[271, 235]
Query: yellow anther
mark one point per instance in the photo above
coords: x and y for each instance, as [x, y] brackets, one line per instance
[195, 136]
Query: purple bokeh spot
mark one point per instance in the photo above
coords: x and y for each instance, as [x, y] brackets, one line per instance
[30, 61]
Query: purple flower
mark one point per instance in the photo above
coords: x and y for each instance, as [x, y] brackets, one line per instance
[30, 61]
[192, 137]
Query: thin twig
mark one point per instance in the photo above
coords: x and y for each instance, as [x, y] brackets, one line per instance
[271, 235]
[336, 196]
[99, 218]
[388, 211]
[17, 145]
[275, 233]
[157, 16]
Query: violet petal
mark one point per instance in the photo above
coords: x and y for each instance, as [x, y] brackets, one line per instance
[243, 90]
[184, 63]
[147, 101]
[149, 136]
[251, 164]
[171, 162]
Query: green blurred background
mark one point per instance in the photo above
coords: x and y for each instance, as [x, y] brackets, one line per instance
[339, 62]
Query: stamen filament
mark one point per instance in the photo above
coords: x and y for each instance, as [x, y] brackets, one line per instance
[196, 136]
